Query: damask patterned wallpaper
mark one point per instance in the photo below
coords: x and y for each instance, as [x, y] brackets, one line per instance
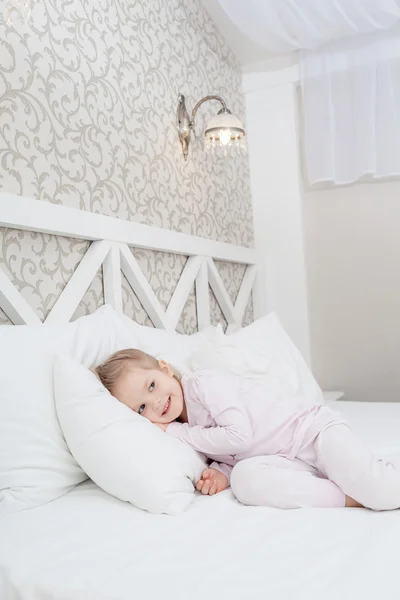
[88, 94]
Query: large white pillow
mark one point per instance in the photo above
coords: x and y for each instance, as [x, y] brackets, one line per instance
[262, 351]
[35, 463]
[125, 454]
[173, 347]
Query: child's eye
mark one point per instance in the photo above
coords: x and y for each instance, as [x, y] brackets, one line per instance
[141, 409]
[152, 386]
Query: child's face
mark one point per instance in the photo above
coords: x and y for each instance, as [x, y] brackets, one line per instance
[154, 394]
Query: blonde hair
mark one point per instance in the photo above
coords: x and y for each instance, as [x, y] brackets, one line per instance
[118, 363]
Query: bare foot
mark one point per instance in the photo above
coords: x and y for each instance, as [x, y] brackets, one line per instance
[351, 503]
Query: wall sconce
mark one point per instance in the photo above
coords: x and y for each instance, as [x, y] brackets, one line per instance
[224, 131]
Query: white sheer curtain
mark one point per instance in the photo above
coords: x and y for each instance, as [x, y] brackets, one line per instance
[351, 108]
[286, 25]
[350, 78]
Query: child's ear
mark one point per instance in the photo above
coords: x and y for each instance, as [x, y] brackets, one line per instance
[165, 368]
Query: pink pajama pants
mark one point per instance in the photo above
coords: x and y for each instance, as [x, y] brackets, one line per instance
[334, 464]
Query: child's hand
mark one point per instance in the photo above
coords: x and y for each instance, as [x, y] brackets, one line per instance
[162, 426]
[212, 482]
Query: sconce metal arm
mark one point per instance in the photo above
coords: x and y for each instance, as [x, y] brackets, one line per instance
[205, 99]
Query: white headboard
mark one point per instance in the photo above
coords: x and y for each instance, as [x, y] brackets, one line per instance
[111, 239]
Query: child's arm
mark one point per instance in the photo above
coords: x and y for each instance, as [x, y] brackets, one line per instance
[233, 434]
[224, 439]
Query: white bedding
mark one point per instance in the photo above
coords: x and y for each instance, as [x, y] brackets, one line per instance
[89, 546]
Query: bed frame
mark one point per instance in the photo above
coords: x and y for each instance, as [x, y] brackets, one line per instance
[111, 239]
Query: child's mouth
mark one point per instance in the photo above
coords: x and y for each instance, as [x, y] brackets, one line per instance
[167, 406]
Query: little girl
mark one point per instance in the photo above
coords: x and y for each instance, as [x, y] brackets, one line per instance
[282, 454]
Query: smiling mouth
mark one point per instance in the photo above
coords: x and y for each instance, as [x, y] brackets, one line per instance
[166, 407]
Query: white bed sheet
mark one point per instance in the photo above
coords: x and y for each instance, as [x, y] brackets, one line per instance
[90, 546]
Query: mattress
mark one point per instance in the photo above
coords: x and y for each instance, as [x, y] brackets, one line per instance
[88, 545]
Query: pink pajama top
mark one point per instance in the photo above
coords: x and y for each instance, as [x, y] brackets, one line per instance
[231, 418]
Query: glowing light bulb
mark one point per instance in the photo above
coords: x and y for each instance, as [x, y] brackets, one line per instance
[225, 137]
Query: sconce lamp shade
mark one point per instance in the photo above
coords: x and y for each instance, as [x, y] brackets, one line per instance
[224, 128]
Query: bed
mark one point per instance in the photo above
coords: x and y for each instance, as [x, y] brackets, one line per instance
[88, 545]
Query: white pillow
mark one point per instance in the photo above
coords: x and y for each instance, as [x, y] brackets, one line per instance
[173, 347]
[125, 454]
[35, 463]
[262, 351]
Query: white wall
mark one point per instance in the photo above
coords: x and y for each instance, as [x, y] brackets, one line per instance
[271, 122]
[353, 262]
[333, 255]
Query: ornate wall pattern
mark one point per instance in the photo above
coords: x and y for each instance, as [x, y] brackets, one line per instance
[88, 96]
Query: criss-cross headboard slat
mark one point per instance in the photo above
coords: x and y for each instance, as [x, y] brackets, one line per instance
[110, 249]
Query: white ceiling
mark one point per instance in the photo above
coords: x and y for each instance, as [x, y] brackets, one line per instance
[247, 52]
